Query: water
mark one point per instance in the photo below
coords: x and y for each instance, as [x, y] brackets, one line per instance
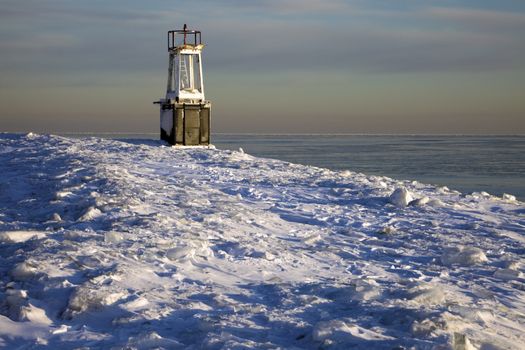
[495, 164]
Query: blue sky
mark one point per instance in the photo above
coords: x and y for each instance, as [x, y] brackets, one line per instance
[270, 66]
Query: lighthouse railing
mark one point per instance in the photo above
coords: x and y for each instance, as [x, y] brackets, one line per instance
[185, 36]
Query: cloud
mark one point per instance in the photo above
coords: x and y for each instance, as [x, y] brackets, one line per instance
[488, 19]
[273, 7]
[260, 36]
[282, 45]
[63, 10]
[37, 43]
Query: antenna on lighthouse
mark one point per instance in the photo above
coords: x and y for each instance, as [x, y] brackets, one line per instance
[184, 112]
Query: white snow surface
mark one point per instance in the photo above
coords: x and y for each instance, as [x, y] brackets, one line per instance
[135, 245]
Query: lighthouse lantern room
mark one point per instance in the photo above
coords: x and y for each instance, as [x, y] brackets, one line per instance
[184, 112]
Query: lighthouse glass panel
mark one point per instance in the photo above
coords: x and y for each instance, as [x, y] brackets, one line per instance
[190, 73]
[197, 73]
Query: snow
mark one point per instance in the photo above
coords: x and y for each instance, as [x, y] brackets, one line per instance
[338, 331]
[113, 237]
[133, 244]
[465, 256]
[20, 236]
[90, 214]
[400, 197]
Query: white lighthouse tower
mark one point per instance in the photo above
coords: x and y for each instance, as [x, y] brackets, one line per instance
[184, 112]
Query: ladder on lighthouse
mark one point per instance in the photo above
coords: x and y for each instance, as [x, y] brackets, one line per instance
[184, 74]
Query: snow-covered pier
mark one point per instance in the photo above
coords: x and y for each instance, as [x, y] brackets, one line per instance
[114, 244]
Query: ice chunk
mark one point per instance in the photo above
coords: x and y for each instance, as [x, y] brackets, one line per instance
[63, 194]
[62, 329]
[185, 251]
[21, 310]
[56, 217]
[89, 297]
[387, 230]
[15, 299]
[461, 342]
[359, 290]
[475, 314]
[152, 341]
[90, 214]
[400, 197]
[269, 256]
[34, 314]
[508, 197]
[423, 328]
[443, 189]
[262, 255]
[512, 264]
[311, 239]
[340, 331]
[31, 333]
[464, 256]
[113, 237]
[366, 289]
[507, 274]
[182, 252]
[20, 236]
[435, 202]
[325, 329]
[112, 298]
[24, 271]
[427, 294]
[420, 201]
[74, 235]
[14, 295]
[136, 304]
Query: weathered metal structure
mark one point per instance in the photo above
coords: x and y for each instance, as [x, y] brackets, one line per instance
[184, 112]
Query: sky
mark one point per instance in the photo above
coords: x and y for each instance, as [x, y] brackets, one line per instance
[270, 66]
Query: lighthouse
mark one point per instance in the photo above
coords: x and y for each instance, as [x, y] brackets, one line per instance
[184, 112]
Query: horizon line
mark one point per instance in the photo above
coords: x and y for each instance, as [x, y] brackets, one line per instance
[266, 133]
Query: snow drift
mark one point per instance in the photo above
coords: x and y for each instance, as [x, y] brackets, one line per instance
[115, 244]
